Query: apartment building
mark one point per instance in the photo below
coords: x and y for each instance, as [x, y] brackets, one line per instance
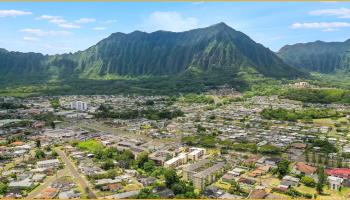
[207, 176]
[176, 161]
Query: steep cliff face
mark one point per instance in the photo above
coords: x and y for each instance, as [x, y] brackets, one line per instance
[214, 48]
[324, 57]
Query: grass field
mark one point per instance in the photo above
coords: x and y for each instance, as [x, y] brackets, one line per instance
[90, 145]
[222, 185]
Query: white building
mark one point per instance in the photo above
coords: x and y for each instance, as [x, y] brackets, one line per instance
[176, 161]
[79, 105]
[195, 153]
[335, 182]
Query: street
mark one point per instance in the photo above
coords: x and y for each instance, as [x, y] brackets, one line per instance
[81, 180]
[47, 182]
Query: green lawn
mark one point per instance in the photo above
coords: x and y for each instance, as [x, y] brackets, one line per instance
[90, 145]
[222, 185]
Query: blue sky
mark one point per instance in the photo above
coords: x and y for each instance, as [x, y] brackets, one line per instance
[68, 27]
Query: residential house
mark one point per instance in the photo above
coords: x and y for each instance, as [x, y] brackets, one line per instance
[335, 182]
[302, 168]
[54, 163]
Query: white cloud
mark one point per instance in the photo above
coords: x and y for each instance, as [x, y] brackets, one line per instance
[330, 29]
[48, 17]
[99, 28]
[320, 25]
[85, 20]
[41, 33]
[169, 21]
[31, 39]
[58, 20]
[339, 12]
[13, 13]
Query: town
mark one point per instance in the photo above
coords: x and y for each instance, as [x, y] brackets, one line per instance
[220, 144]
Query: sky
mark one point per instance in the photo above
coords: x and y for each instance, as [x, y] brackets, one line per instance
[52, 28]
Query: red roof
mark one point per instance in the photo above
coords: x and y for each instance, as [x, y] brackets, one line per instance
[339, 172]
[305, 168]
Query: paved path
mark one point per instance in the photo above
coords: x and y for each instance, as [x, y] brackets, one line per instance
[74, 172]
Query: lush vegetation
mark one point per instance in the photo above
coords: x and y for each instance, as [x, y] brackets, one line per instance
[164, 63]
[308, 181]
[148, 113]
[269, 149]
[55, 103]
[324, 57]
[325, 146]
[92, 146]
[296, 194]
[294, 115]
[8, 105]
[236, 189]
[283, 168]
[318, 95]
[3, 188]
[104, 156]
[194, 98]
[203, 140]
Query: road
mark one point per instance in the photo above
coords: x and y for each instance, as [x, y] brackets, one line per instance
[47, 182]
[81, 180]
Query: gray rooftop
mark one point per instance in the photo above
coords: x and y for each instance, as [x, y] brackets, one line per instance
[196, 165]
[210, 170]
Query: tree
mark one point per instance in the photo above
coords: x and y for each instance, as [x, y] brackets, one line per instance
[326, 160]
[38, 143]
[39, 154]
[53, 125]
[54, 154]
[108, 165]
[339, 162]
[142, 158]
[307, 156]
[319, 160]
[319, 188]
[146, 193]
[269, 149]
[3, 188]
[170, 177]
[55, 103]
[283, 168]
[236, 189]
[308, 181]
[177, 188]
[313, 157]
[321, 179]
[149, 166]
[149, 103]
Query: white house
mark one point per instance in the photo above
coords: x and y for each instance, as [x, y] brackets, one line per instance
[335, 182]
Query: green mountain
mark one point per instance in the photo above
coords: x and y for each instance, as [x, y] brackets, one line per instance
[324, 57]
[210, 53]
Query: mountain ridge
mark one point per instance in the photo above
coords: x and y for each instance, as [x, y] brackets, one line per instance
[212, 49]
[319, 56]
